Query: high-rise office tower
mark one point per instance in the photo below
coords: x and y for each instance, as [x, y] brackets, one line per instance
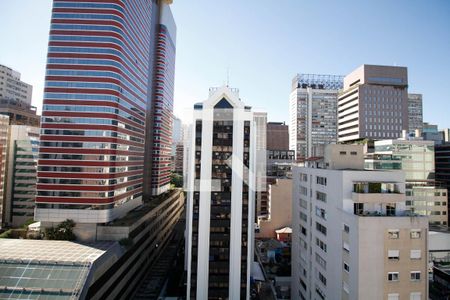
[312, 113]
[221, 197]
[159, 144]
[373, 104]
[415, 157]
[11, 87]
[352, 236]
[415, 113]
[107, 98]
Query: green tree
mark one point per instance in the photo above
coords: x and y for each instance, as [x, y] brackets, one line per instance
[62, 232]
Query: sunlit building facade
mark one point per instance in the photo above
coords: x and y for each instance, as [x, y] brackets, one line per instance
[312, 113]
[416, 158]
[221, 187]
[104, 72]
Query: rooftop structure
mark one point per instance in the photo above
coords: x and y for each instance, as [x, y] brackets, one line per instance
[42, 269]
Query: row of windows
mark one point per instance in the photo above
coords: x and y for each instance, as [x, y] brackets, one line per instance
[85, 108]
[94, 97]
[395, 233]
[395, 276]
[395, 254]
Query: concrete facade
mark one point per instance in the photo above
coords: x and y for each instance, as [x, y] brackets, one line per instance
[312, 113]
[11, 87]
[415, 113]
[277, 136]
[373, 103]
[221, 187]
[280, 198]
[352, 236]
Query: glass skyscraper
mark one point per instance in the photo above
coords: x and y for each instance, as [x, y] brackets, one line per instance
[107, 76]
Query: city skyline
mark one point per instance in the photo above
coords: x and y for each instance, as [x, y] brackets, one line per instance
[392, 34]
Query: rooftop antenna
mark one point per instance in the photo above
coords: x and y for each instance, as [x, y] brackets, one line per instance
[228, 76]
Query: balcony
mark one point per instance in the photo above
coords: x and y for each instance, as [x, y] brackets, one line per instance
[377, 192]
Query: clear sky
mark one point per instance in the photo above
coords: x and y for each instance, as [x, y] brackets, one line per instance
[264, 43]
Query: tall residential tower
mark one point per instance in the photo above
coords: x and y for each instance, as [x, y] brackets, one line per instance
[312, 113]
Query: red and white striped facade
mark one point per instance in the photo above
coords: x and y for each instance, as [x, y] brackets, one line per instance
[163, 108]
[97, 98]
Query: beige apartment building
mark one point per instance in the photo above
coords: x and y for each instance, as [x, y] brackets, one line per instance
[353, 237]
[373, 103]
[280, 198]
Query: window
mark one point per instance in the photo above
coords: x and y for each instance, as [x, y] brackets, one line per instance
[321, 180]
[321, 196]
[346, 267]
[415, 276]
[393, 254]
[303, 191]
[321, 245]
[353, 153]
[303, 229]
[342, 152]
[322, 278]
[393, 297]
[415, 254]
[415, 233]
[415, 296]
[321, 261]
[346, 228]
[393, 276]
[303, 216]
[303, 177]
[321, 213]
[393, 233]
[345, 287]
[321, 228]
[346, 247]
[303, 204]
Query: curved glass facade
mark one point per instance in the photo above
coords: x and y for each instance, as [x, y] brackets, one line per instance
[97, 94]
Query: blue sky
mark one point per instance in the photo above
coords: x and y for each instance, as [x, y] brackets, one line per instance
[265, 43]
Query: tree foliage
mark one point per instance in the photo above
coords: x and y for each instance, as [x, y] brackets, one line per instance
[62, 232]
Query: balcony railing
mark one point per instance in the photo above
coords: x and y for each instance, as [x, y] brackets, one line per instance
[376, 188]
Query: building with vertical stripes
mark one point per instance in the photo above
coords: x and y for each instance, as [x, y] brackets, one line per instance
[221, 184]
[100, 118]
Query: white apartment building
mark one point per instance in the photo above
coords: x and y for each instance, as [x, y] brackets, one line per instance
[373, 103]
[11, 87]
[221, 185]
[312, 113]
[352, 237]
